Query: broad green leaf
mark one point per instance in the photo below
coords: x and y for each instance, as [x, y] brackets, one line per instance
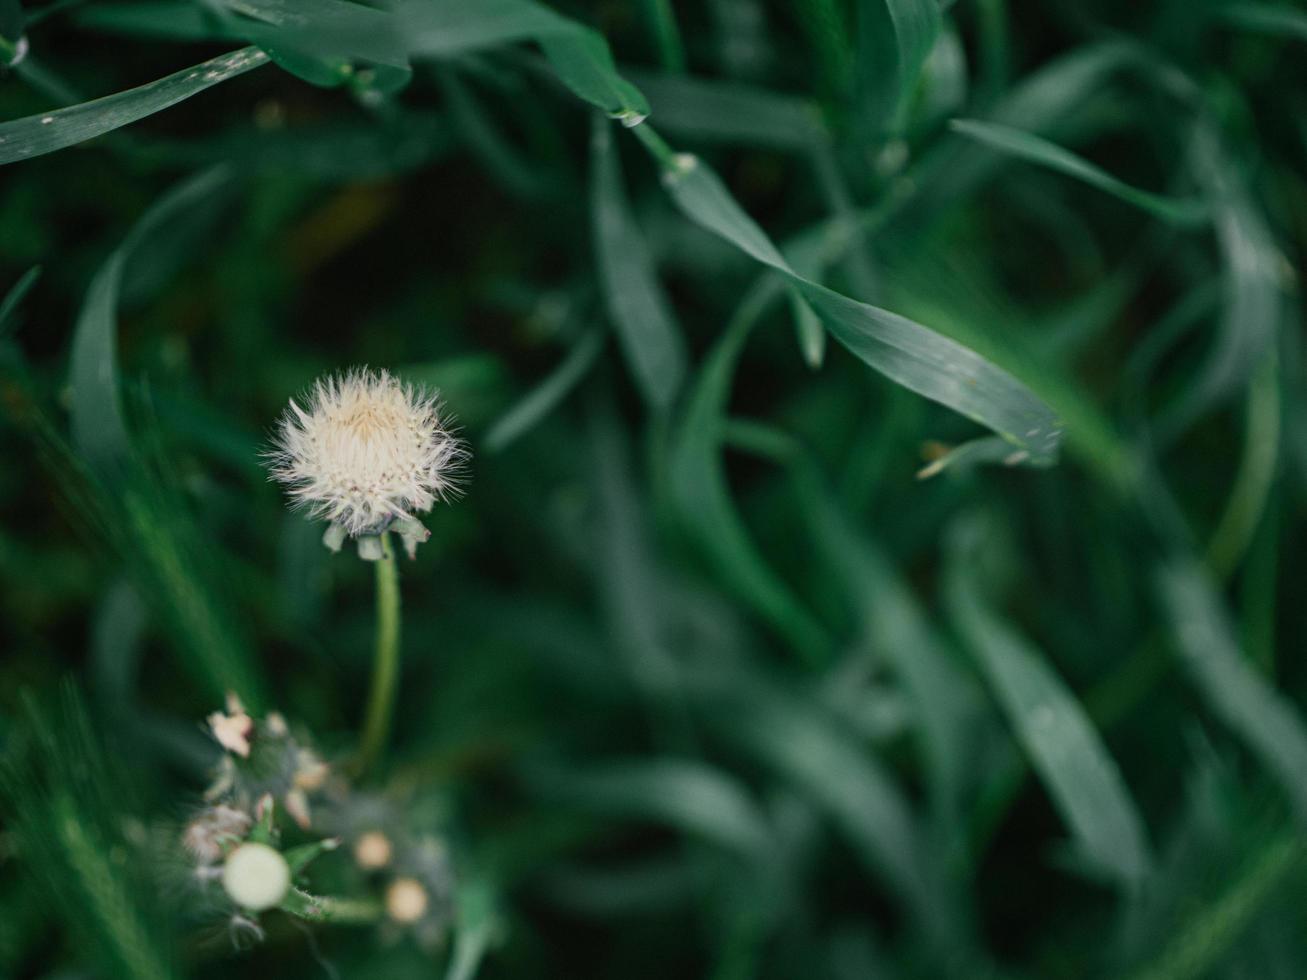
[1064, 749]
[546, 396]
[637, 306]
[1036, 149]
[904, 351]
[684, 793]
[21, 139]
[1265, 719]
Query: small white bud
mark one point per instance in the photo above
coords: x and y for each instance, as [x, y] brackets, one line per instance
[406, 900]
[256, 877]
[372, 850]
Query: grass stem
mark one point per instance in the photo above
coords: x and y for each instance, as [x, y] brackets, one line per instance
[385, 662]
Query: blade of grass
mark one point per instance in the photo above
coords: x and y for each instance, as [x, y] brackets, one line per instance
[545, 397]
[1263, 717]
[637, 306]
[1080, 775]
[1035, 149]
[9, 305]
[31, 136]
[908, 353]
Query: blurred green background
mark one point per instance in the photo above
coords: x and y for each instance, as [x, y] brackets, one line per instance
[738, 658]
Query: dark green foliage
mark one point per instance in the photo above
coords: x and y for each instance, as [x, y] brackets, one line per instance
[965, 646]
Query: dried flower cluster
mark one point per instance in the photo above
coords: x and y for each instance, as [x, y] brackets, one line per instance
[234, 844]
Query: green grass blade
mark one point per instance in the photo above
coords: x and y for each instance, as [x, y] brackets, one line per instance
[545, 397]
[1265, 719]
[712, 111]
[31, 136]
[1035, 149]
[686, 794]
[894, 38]
[898, 628]
[1081, 777]
[9, 305]
[99, 429]
[851, 786]
[703, 498]
[906, 352]
[1250, 302]
[1280, 20]
[638, 308]
[579, 55]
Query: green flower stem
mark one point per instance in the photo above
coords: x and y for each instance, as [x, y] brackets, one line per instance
[385, 663]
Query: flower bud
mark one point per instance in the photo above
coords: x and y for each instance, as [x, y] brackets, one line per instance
[256, 877]
[406, 900]
[372, 850]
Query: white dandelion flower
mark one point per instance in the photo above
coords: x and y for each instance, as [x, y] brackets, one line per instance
[366, 452]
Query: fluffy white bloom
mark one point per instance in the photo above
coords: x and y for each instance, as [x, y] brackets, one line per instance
[366, 451]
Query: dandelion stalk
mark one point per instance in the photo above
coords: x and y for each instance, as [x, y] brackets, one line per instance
[368, 453]
[385, 661]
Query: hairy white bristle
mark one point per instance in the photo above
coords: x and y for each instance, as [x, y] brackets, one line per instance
[365, 450]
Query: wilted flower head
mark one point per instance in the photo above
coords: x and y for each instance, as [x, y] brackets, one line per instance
[207, 836]
[366, 451]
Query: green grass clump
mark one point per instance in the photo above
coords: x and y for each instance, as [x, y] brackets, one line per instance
[889, 438]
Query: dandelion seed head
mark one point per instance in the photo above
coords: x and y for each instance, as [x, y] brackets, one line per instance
[365, 450]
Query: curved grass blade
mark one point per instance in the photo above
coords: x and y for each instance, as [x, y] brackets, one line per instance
[895, 37]
[906, 352]
[545, 397]
[683, 793]
[1081, 777]
[1250, 305]
[973, 453]
[712, 111]
[579, 56]
[895, 623]
[635, 300]
[9, 305]
[1036, 149]
[850, 785]
[703, 497]
[324, 30]
[152, 527]
[63, 800]
[99, 429]
[31, 136]
[1267, 18]
[1265, 719]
